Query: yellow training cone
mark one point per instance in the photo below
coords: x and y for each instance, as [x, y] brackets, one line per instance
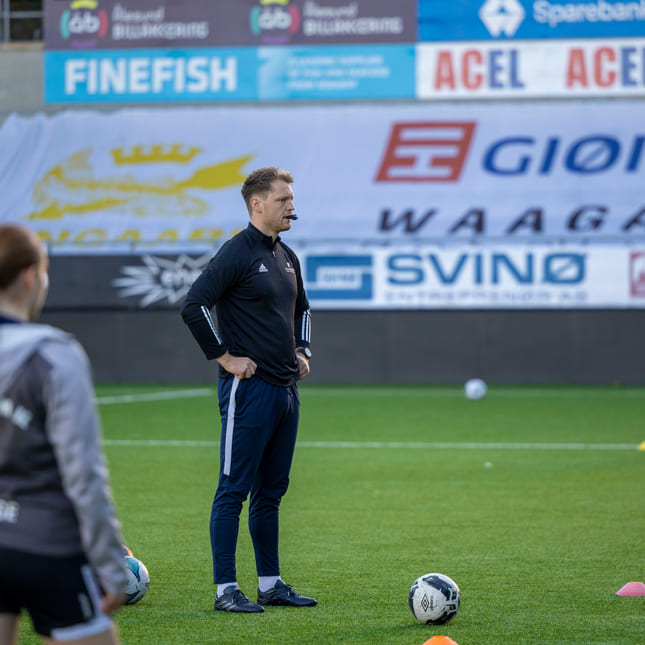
[440, 640]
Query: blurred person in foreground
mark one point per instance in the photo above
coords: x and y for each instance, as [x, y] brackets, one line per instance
[61, 557]
[261, 343]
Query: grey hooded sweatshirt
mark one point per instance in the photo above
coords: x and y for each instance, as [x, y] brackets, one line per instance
[55, 497]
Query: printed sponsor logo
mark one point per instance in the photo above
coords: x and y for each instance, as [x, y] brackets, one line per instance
[275, 21]
[605, 67]
[476, 221]
[430, 151]
[342, 277]
[437, 151]
[502, 16]
[562, 68]
[83, 24]
[73, 187]
[346, 20]
[438, 277]
[160, 279]
[140, 25]
[448, 269]
[106, 75]
[637, 274]
[15, 413]
[555, 14]
[9, 511]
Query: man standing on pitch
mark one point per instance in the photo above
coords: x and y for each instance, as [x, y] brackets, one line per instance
[261, 343]
[61, 557]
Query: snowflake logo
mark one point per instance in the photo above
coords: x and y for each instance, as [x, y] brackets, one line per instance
[160, 278]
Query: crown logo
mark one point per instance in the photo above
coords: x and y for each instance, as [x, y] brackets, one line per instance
[265, 2]
[176, 153]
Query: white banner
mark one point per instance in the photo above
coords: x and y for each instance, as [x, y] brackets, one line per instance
[531, 69]
[169, 179]
[471, 277]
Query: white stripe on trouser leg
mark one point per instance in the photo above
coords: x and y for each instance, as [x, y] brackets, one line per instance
[230, 427]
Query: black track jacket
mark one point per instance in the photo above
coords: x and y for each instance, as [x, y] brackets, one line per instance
[262, 310]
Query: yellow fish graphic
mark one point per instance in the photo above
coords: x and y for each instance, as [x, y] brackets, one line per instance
[71, 187]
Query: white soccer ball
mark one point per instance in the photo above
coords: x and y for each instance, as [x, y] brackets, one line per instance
[138, 580]
[434, 599]
[475, 389]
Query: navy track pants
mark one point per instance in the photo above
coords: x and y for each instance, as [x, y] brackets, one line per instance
[259, 429]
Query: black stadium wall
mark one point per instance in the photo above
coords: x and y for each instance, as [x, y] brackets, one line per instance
[129, 323]
[434, 347]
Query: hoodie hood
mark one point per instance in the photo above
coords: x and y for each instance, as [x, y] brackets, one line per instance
[18, 341]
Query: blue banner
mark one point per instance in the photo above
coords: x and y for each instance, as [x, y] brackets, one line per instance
[150, 75]
[230, 74]
[337, 72]
[528, 19]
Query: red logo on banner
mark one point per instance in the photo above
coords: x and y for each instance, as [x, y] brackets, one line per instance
[426, 151]
[637, 274]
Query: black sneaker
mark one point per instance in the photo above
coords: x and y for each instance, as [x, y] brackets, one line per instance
[283, 594]
[234, 600]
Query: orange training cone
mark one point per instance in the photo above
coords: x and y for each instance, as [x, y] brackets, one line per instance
[440, 640]
[631, 589]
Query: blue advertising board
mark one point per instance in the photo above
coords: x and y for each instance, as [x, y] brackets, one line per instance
[529, 19]
[230, 74]
[337, 72]
[150, 75]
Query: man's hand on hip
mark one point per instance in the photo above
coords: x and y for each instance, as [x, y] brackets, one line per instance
[240, 366]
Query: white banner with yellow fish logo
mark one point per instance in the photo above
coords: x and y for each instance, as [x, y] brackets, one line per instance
[168, 180]
[90, 182]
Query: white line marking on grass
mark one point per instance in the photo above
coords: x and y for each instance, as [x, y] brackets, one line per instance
[444, 445]
[161, 443]
[416, 391]
[154, 396]
[415, 445]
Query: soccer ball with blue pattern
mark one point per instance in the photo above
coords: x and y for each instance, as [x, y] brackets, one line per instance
[475, 389]
[138, 580]
[434, 599]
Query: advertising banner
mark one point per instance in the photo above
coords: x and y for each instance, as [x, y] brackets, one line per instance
[157, 51]
[150, 180]
[400, 277]
[133, 24]
[523, 69]
[151, 75]
[241, 74]
[468, 277]
[534, 19]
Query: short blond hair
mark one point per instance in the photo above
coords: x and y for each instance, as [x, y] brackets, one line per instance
[260, 180]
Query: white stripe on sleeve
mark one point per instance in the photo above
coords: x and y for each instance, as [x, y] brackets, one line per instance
[211, 324]
[305, 331]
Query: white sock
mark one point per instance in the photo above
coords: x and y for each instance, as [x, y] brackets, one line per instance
[222, 588]
[267, 582]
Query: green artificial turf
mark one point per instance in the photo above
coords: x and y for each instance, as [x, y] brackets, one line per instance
[531, 499]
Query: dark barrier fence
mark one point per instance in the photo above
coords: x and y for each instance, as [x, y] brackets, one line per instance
[434, 347]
